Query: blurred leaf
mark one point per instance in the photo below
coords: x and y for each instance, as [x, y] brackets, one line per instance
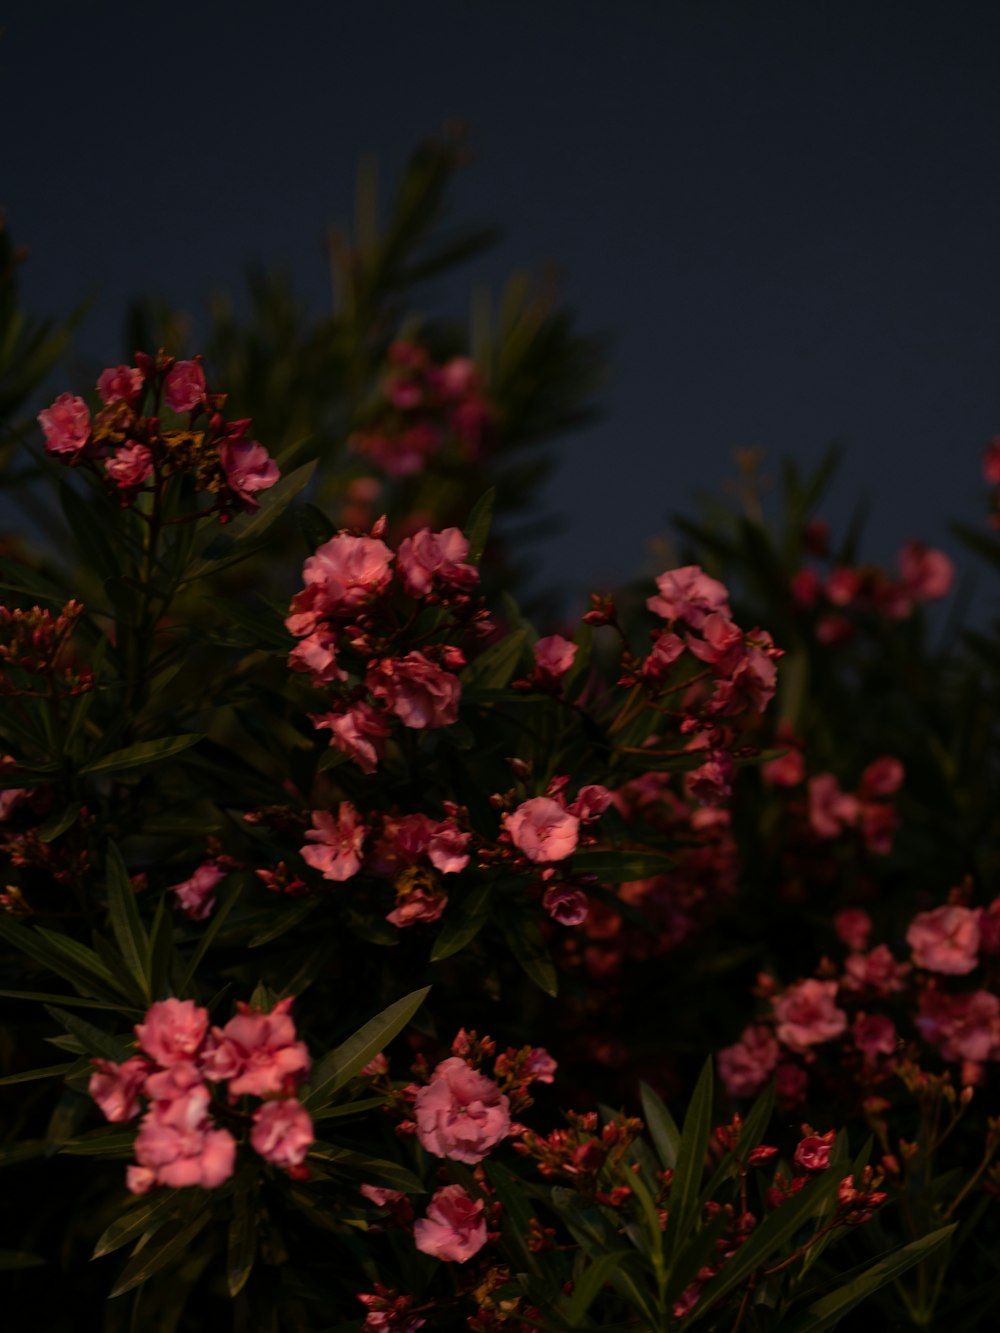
[528, 946]
[242, 1240]
[50, 1071]
[661, 1125]
[140, 754]
[588, 1285]
[621, 867]
[686, 1185]
[169, 1243]
[493, 669]
[14, 1259]
[141, 1217]
[374, 1169]
[58, 823]
[477, 525]
[463, 923]
[126, 923]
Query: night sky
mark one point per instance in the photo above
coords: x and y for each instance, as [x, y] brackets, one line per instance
[785, 215]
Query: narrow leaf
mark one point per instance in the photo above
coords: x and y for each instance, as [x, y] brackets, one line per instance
[337, 1068]
[137, 756]
[661, 1125]
[686, 1185]
[528, 946]
[144, 1216]
[129, 932]
[160, 1252]
[477, 525]
[464, 923]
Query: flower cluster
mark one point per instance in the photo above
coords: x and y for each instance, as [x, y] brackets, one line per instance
[127, 444]
[421, 409]
[182, 1065]
[355, 619]
[847, 592]
[37, 656]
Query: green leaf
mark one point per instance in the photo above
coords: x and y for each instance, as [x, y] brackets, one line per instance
[246, 533]
[375, 1169]
[464, 923]
[129, 932]
[50, 1071]
[169, 1244]
[13, 1259]
[754, 1127]
[109, 1142]
[528, 946]
[287, 918]
[477, 525]
[16, 577]
[225, 906]
[587, 1287]
[49, 997]
[137, 756]
[661, 1125]
[69, 959]
[515, 1219]
[314, 526]
[621, 867]
[94, 1040]
[89, 528]
[830, 1309]
[261, 622]
[339, 1067]
[241, 1249]
[59, 823]
[145, 1216]
[686, 1185]
[493, 669]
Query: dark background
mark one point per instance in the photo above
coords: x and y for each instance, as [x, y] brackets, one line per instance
[785, 214]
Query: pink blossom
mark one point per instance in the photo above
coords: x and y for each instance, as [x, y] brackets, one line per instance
[963, 1027]
[66, 425]
[184, 387]
[116, 1088]
[878, 824]
[874, 1034]
[340, 576]
[358, 732]
[805, 588]
[178, 1143]
[454, 1228]
[543, 830]
[173, 1031]
[813, 1152]
[667, 648]
[282, 1132]
[566, 904]
[788, 770]
[317, 655]
[945, 940]
[164, 1085]
[460, 1113]
[688, 594]
[854, 927]
[129, 466]
[991, 462]
[430, 560]
[843, 585]
[830, 809]
[196, 896]
[417, 902]
[807, 1014]
[553, 658]
[877, 971]
[339, 842]
[249, 468]
[447, 849]
[591, 802]
[720, 644]
[258, 1053]
[928, 574]
[120, 384]
[746, 1066]
[711, 783]
[418, 692]
[882, 777]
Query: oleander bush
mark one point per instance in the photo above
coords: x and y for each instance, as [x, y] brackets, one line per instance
[362, 918]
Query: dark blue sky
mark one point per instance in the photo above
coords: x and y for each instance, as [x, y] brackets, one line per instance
[786, 215]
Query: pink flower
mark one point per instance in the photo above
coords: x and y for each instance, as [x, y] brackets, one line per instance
[843, 585]
[746, 1066]
[991, 462]
[435, 559]
[882, 777]
[807, 1014]
[539, 1066]
[179, 1145]
[667, 648]
[945, 940]
[66, 425]
[454, 1228]
[928, 574]
[963, 1027]
[460, 1113]
[543, 830]
[565, 904]
[129, 466]
[173, 1031]
[282, 1132]
[688, 594]
[317, 654]
[184, 387]
[553, 658]
[258, 1053]
[116, 1088]
[417, 902]
[120, 384]
[711, 783]
[418, 692]
[874, 1034]
[854, 927]
[447, 849]
[813, 1152]
[877, 971]
[591, 802]
[830, 809]
[196, 896]
[358, 731]
[339, 841]
[788, 770]
[249, 468]
[340, 576]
